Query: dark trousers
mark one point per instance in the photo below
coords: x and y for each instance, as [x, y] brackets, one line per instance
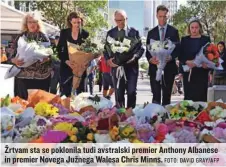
[162, 90]
[21, 86]
[55, 78]
[66, 85]
[107, 81]
[100, 81]
[130, 86]
[90, 83]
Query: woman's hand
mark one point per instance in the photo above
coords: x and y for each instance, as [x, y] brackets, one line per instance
[45, 60]
[17, 62]
[204, 65]
[190, 63]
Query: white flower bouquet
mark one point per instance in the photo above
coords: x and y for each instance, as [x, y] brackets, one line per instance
[123, 51]
[85, 99]
[30, 52]
[161, 49]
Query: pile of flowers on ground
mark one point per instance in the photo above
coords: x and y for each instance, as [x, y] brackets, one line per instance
[91, 119]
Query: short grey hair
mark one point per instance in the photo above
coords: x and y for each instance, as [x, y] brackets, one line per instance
[122, 12]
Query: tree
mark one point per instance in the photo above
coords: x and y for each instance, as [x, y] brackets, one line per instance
[212, 15]
[56, 12]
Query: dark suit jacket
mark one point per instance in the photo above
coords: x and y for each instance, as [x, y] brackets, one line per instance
[65, 35]
[133, 33]
[173, 35]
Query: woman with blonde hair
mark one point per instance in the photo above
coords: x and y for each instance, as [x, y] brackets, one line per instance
[74, 34]
[36, 76]
[196, 87]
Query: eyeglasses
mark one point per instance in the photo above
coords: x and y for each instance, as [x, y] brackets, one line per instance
[119, 20]
[32, 22]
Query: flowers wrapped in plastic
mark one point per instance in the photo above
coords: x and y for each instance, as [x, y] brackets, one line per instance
[30, 52]
[79, 59]
[209, 55]
[123, 51]
[85, 99]
[161, 49]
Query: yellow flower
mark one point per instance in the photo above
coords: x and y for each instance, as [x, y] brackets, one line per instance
[174, 110]
[73, 138]
[90, 136]
[63, 126]
[74, 130]
[137, 141]
[128, 130]
[45, 109]
[114, 133]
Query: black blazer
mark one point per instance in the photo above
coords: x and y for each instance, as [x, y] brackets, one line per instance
[133, 33]
[65, 35]
[188, 51]
[173, 35]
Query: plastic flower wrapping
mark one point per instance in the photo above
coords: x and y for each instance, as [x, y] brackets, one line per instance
[161, 49]
[209, 55]
[52, 122]
[30, 52]
[85, 99]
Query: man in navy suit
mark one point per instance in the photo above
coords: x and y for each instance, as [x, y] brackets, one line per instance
[162, 89]
[131, 68]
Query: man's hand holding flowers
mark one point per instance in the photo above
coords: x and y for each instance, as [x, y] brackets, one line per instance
[154, 60]
[111, 64]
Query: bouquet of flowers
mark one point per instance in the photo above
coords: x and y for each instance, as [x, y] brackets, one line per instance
[161, 49]
[30, 52]
[123, 51]
[85, 99]
[80, 57]
[186, 110]
[209, 55]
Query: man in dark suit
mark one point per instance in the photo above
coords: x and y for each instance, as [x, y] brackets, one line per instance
[131, 68]
[160, 33]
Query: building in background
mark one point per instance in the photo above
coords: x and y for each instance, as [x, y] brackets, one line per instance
[11, 22]
[150, 20]
[134, 10]
[150, 7]
[173, 7]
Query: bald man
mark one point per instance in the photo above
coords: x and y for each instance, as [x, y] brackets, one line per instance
[131, 68]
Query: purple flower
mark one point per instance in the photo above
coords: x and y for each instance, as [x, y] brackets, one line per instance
[62, 109]
[52, 136]
[62, 118]
[41, 122]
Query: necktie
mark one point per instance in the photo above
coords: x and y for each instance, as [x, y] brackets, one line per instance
[121, 34]
[162, 34]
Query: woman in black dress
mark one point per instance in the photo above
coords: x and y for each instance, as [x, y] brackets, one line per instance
[73, 34]
[196, 88]
[36, 76]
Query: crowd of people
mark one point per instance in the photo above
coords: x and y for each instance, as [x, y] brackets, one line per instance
[49, 73]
